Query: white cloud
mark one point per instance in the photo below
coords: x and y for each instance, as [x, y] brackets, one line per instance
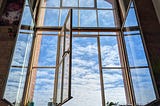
[110, 56]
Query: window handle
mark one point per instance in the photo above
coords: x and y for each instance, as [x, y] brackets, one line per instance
[66, 52]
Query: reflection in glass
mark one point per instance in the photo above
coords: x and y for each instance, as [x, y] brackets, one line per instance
[22, 50]
[59, 86]
[43, 92]
[88, 18]
[66, 77]
[106, 18]
[63, 16]
[86, 3]
[135, 51]
[114, 86]
[104, 4]
[61, 42]
[51, 17]
[15, 85]
[109, 51]
[143, 86]
[48, 50]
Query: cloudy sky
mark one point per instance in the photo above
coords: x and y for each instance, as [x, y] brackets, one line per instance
[86, 89]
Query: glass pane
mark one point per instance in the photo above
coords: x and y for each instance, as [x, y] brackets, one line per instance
[114, 86]
[66, 77]
[143, 86]
[131, 19]
[67, 61]
[52, 3]
[59, 86]
[51, 17]
[105, 3]
[132, 32]
[15, 85]
[109, 51]
[132, 5]
[61, 42]
[86, 3]
[88, 18]
[48, 50]
[26, 1]
[64, 13]
[67, 38]
[22, 50]
[106, 18]
[75, 18]
[26, 17]
[107, 33]
[87, 33]
[135, 51]
[43, 91]
[86, 89]
[70, 3]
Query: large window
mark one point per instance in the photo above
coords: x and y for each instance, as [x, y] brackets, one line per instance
[18, 69]
[109, 62]
[90, 13]
[139, 69]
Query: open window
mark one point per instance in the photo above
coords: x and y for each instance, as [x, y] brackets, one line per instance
[62, 88]
[20, 61]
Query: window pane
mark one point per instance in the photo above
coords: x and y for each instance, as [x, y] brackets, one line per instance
[66, 78]
[131, 19]
[87, 33]
[51, 17]
[64, 13]
[129, 32]
[86, 3]
[109, 51]
[43, 92]
[52, 3]
[114, 86]
[27, 18]
[143, 86]
[75, 18]
[106, 18]
[107, 33]
[59, 85]
[22, 50]
[48, 50]
[135, 51]
[88, 18]
[70, 3]
[15, 85]
[104, 4]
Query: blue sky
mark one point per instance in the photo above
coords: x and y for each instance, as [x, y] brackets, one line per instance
[86, 89]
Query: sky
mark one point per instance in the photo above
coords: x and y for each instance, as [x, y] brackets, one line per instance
[86, 89]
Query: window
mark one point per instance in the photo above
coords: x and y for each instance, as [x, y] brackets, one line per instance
[84, 55]
[139, 69]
